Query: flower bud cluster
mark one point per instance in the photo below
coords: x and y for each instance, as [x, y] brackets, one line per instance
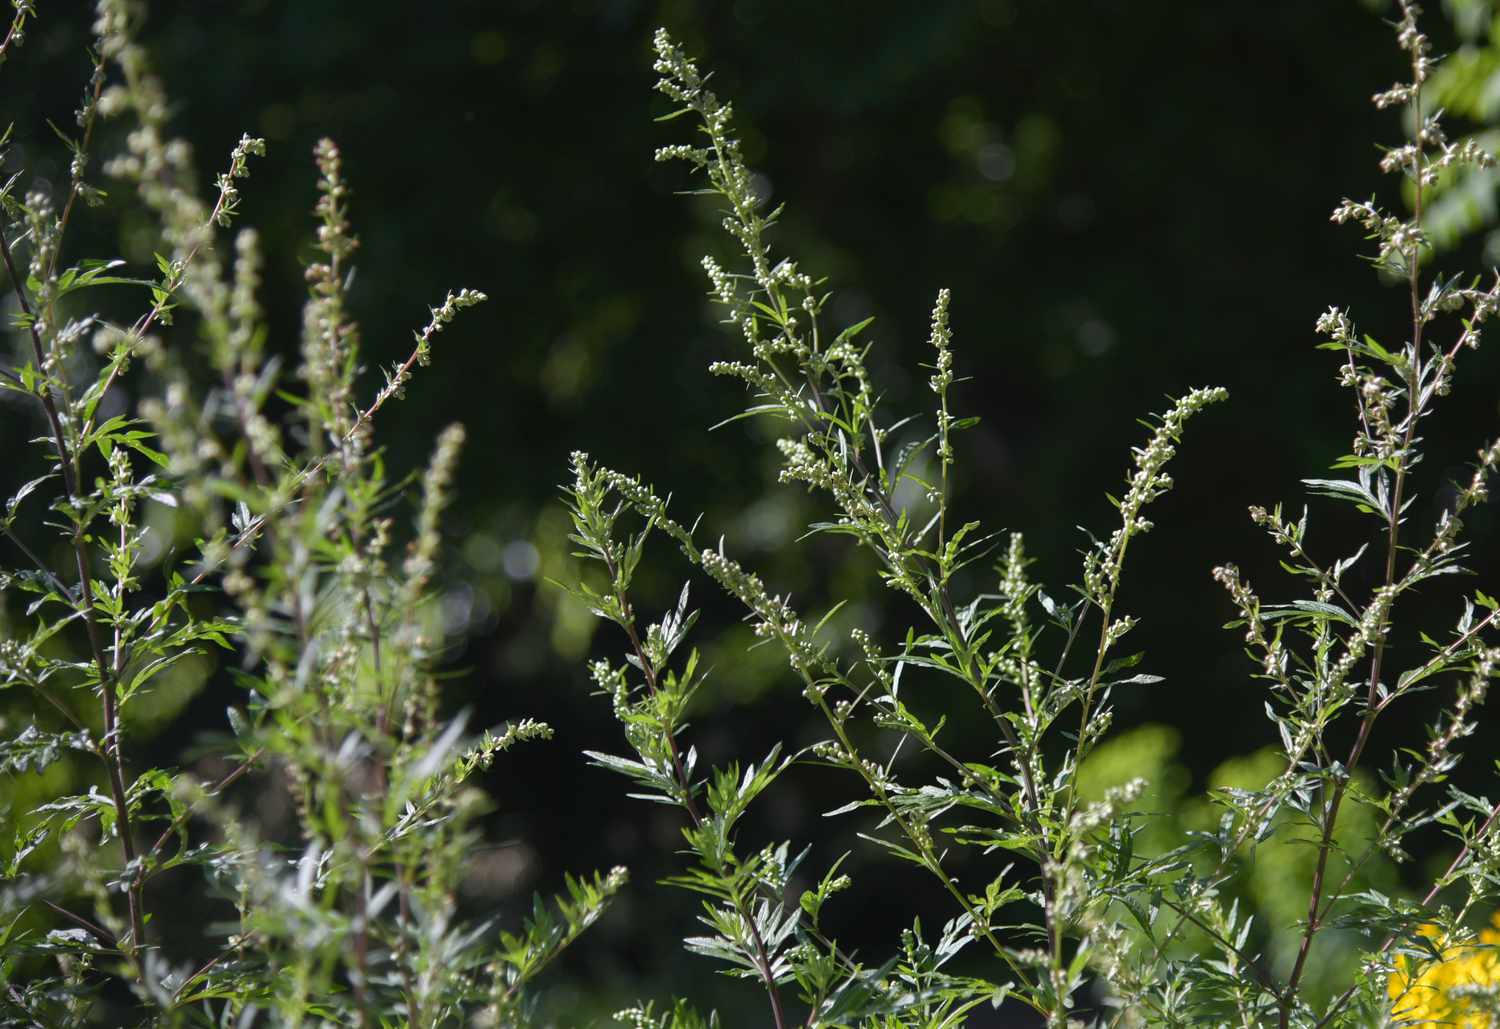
[831, 752]
[696, 156]
[1336, 325]
[724, 290]
[442, 316]
[774, 617]
[786, 274]
[874, 660]
[1014, 586]
[1372, 628]
[939, 339]
[644, 501]
[847, 362]
[1379, 437]
[437, 490]
[328, 337]
[612, 681]
[244, 304]
[229, 194]
[680, 78]
[751, 374]
[1398, 240]
[1457, 723]
[1274, 662]
[1102, 564]
[1116, 798]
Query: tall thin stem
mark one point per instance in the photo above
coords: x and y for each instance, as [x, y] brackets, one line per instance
[108, 676]
[679, 771]
[1413, 376]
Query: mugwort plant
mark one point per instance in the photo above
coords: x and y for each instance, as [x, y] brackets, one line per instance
[204, 508]
[1072, 920]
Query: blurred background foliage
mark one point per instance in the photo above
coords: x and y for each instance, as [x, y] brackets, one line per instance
[1127, 200]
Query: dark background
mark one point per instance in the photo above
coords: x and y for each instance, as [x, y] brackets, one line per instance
[1127, 200]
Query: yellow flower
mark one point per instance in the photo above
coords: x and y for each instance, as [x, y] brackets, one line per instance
[1441, 993]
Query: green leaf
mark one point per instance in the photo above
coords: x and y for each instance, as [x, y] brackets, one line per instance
[855, 330]
[32, 749]
[1317, 607]
[1343, 489]
[154, 455]
[25, 491]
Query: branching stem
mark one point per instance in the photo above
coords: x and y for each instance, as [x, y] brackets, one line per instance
[110, 750]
